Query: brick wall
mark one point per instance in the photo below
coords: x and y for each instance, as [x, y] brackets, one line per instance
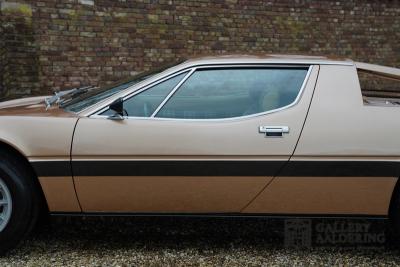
[19, 68]
[67, 43]
[2, 58]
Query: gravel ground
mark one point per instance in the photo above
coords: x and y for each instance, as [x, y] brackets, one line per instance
[106, 241]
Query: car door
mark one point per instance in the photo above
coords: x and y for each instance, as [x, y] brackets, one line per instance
[203, 140]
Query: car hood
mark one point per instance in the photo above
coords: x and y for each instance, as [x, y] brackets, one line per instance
[31, 106]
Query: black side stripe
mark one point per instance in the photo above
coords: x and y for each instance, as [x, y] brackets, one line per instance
[52, 168]
[219, 168]
[177, 168]
[159, 168]
[342, 168]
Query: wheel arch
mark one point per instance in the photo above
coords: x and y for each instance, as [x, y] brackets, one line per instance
[4, 144]
[394, 197]
[16, 152]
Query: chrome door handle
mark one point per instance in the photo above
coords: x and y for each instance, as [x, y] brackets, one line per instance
[274, 131]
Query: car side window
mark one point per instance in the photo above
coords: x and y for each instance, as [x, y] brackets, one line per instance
[234, 92]
[145, 103]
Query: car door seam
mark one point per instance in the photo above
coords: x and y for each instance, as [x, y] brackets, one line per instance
[70, 162]
[287, 162]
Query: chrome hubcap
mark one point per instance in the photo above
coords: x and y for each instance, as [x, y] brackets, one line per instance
[5, 205]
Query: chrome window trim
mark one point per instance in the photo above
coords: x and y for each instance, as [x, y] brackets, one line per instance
[172, 92]
[191, 70]
[153, 80]
[139, 90]
[143, 85]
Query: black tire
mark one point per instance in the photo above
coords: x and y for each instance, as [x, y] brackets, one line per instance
[393, 233]
[21, 185]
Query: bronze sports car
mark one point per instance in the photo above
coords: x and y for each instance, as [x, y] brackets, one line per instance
[229, 135]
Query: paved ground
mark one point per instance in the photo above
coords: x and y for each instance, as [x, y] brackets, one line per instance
[203, 242]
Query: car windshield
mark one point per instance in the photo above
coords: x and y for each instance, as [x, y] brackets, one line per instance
[92, 97]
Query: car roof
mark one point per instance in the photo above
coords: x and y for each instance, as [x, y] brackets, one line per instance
[268, 58]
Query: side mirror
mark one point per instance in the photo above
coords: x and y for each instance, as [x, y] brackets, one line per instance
[118, 107]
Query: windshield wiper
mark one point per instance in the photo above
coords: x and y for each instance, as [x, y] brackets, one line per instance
[59, 97]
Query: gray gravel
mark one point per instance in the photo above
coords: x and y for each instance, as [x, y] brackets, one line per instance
[106, 241]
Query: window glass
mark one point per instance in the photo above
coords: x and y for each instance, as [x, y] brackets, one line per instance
[79, 103]
[378, 86]
[227, 93]
[146, 102]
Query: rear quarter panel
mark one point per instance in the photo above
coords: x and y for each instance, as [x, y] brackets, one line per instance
[339, 124]
[347, 160]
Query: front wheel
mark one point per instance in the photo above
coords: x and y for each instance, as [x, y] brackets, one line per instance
[5, 205]
[19, 201]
